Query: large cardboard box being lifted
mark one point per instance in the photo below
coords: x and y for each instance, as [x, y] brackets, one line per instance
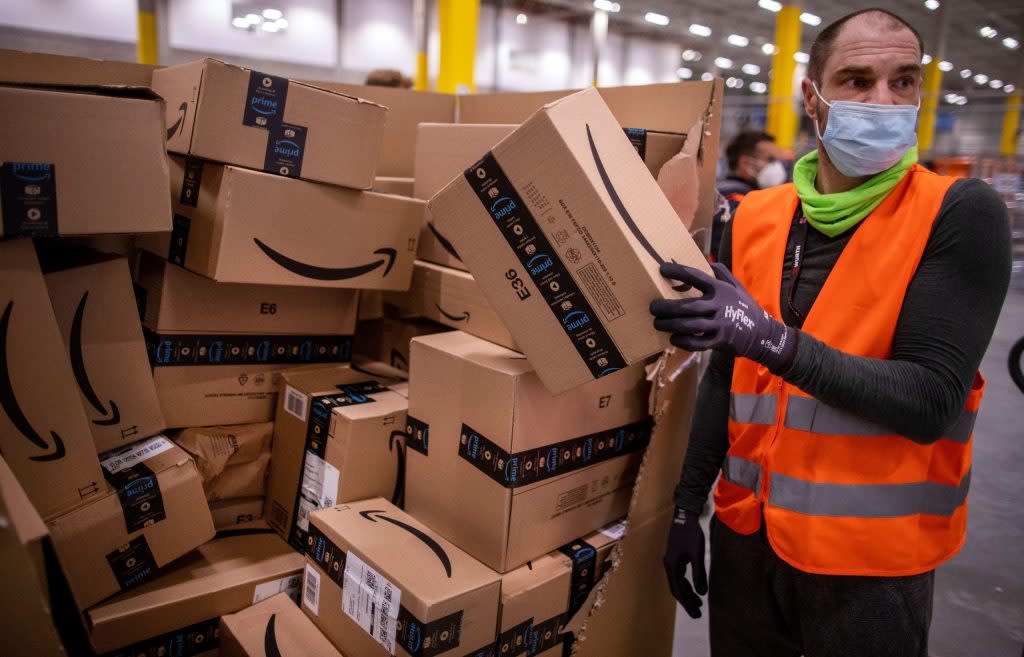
[230, 114]
[379, 582]
[337, 438]
[564, 229]
[228, 226]
[81, 161]
[44, 433]
[95, 306]
[503, 468]
[182, 607]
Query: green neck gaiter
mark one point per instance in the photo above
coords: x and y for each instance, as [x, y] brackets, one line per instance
[834, 214]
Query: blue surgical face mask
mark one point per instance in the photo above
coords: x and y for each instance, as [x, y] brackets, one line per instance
[863, 139]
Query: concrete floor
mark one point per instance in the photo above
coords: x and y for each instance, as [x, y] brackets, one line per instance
[979, 594]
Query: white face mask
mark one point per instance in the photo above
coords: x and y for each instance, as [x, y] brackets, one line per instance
[771, 175]
[863, 139]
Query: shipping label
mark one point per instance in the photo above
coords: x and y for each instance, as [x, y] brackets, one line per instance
[28, 199]
[311, 590]
[289, 585]
[318, 490]
[371, 600]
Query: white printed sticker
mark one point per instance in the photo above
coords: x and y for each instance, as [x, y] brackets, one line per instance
[295, 402]
[372, 601]
[319, 488]
[126, 457]
[311, 590]
[290, 585]
[615, 530]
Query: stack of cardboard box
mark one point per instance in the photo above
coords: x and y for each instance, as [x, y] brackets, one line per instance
[457, 490]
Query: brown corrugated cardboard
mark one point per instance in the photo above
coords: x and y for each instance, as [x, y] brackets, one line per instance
[183, 605]
[371, 304]
[44, 433]
[655, 147]
[230, 114]
[153, 512]
[573, 288]
[228, 514]
[393, 185]
[387, 340]
[371, 565]
[407, 108]
[94, 303]
[503, 468]
[275, 626]
[230, 230]
[25, 604]
[451, 297]
[77, 162]
[31, 68]
[220, 453]
[538, 599]
[337, 438]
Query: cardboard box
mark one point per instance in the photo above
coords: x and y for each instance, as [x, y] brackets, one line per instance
[229, 229]
[25, 604]
[44, 433]
[450, 297]
[387, 340]
[94, 303]
[655, 147]
[275, 626]
[183, 606]
[32, 68]
[373, 568]
[371, 305]
[232, 460]
[564, 229]
[78, 162]
[538, 599]
[503, 468]
[407, 108]
[337, 438]
[393, 185]
[234, 512]
[152, 512]
[231, 114]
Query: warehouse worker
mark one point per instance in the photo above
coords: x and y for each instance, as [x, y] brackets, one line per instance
[753, 164]
[842, 390]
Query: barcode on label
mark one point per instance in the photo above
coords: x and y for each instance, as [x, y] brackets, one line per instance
[311, 590]
[295, 402]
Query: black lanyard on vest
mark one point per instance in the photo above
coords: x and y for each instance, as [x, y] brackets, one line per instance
[797, 233]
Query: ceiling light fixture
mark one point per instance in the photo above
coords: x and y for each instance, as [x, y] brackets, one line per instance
[980, 78]
[700, 30]
[768, 48]
[684, 73]
[758, 87]
[270, 26]
[272, 14]
[965, 73]
[656, 18]
[931, 5]
[808, 18]
[751, 69]
[723, 62]
[802, 57]
[522, 19]
[606, 5]
[738, 40]
[770, 5]
[707, 77]
[267, 20]
[1008, 88]
[692, 55]
[1011, 43]
[945, 66]
[926, 59]
[995, 84]
[988, 32]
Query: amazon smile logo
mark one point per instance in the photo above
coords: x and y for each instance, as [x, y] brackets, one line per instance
[270, 647]
[435, 547]
[81, 376]
[32, 172]
[10, 405]
[464, 317]
[318, 273]
[177, 126]
[445, 244]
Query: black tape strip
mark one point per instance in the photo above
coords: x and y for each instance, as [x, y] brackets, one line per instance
[180, 226]
[265, 100]
[544, 267]
[544, 636]
[325, 554]
[190, 183]
[185, 642]
[418, 434]
[487, 651]
[638, 137]
[513, 641]
[237, 349]
[568, 639]
[139, 493]
[132, 563]
[514, 470]
[584, 572]
[426, 640]
[286, 145]
[28, 199]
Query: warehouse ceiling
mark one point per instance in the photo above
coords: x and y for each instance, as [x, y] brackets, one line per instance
[967, 48]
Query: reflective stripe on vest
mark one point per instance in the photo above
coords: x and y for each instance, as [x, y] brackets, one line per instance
[752, 409]
[742, 473]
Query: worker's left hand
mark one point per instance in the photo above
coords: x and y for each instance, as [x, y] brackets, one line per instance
[725, 317]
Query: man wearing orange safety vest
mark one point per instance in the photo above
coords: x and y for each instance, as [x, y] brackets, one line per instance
[840, 398]
[753, 163]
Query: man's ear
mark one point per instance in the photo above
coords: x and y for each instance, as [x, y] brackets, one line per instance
[810, 99]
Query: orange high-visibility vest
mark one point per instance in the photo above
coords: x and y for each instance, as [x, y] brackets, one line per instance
[841, 495]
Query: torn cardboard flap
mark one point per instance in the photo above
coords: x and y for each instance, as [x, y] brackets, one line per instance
[215, 448]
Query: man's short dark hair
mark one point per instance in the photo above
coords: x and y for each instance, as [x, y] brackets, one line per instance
[822, 46]
[744, 143]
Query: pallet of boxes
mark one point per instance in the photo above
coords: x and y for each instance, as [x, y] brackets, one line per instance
[203, 454]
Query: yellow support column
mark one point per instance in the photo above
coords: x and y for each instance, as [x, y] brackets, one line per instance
[1008, 143]
[146, 46]
[457, 20]
[421, 23]
[929, 104]
[782, 118]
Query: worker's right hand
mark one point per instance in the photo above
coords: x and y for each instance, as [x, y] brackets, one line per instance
[686, 548]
